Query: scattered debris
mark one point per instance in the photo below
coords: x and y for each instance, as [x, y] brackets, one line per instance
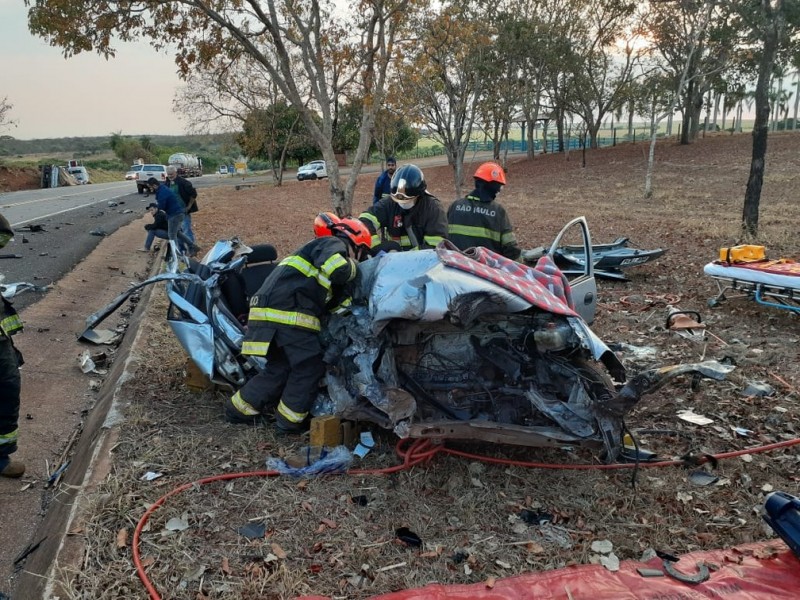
[98, 232]
[702, 478]
[87, 364]
[178, 524]
[366, 444]
[645, 572]
[537, 517]
[252, 531]
[702, 573]
[57, 474]
[311, 461]
[758, 388]
[692, 417]
[408, 537]
[150, 476]
[100, 336]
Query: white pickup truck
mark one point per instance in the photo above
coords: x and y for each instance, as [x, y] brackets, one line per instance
[148, 171]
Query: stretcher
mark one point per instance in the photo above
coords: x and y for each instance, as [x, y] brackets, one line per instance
[774, 283]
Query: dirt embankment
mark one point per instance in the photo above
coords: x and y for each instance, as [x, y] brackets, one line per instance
[14, 179]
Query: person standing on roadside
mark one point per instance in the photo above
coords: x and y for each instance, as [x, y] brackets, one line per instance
[10, 380]
[479, 219]
[176, 211]
[383, 185]
[184, 189]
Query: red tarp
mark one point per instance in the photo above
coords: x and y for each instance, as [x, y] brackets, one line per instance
[747, 572]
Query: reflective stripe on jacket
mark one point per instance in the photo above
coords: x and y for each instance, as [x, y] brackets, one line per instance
[427, 220]
[299, 292]
[473, 222]
[10, 322]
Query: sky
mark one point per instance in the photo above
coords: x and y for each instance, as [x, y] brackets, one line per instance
[85, 95]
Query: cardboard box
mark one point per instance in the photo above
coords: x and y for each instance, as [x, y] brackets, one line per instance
[325, 431]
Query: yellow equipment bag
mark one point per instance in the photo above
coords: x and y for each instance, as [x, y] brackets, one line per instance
[739, 254]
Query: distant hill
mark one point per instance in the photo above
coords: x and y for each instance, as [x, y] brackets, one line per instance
[83, 147]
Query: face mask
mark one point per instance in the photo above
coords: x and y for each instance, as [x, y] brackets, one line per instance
[406, 204]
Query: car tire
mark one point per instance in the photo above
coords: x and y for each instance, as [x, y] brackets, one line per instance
[313, 176]
[140, 189]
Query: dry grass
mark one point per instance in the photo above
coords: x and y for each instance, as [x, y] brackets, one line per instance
[318, 540]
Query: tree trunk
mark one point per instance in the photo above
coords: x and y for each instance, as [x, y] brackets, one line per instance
[630, 120]
[796, 100]
[531, 139]
[560, 129]
[725, 110]
[651, 155]
[687, 113]
[717, 98]
[752, 198]
[544, 136]
[697, 109]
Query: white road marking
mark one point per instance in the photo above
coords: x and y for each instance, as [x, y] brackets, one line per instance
[67, 210]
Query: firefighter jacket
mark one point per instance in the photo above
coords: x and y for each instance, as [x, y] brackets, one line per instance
[10, 323]
[300, 290]
[476, 222]
[425, 221]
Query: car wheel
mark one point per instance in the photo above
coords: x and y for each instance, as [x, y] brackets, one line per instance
[313, 176]
[140, 189]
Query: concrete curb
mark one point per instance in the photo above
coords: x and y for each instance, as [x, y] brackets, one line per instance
[89, 465]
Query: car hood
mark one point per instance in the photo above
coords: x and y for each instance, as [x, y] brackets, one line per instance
[431, 285]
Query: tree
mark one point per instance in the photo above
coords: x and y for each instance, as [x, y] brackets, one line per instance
[441, 83]
[681, 29]
[5, 109]
[771, 26]
[275, 134]
[310, 49]
[392, 134]
[601, 68]
[129, 150]
[660, 91]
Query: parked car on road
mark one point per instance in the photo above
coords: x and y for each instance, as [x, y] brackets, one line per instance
[223, 169]
[316, 169]
[148, 171]
[131, 174]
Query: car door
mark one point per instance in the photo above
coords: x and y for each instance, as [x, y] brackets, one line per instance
[583, 285]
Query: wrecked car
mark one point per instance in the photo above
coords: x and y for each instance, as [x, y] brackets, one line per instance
[439, 344]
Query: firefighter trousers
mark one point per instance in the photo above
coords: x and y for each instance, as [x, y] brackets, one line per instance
[289, 381]
[9, 397]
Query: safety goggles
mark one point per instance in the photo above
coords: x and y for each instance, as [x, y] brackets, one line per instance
[400, 197]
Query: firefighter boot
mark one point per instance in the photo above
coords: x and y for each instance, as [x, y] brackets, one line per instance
[11, 468]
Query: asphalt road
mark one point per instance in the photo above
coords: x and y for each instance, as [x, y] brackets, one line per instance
[57, 228]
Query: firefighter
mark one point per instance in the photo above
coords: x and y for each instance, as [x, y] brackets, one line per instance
[284, 325]
[409, 218]
[10, 382]
[479, 220]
